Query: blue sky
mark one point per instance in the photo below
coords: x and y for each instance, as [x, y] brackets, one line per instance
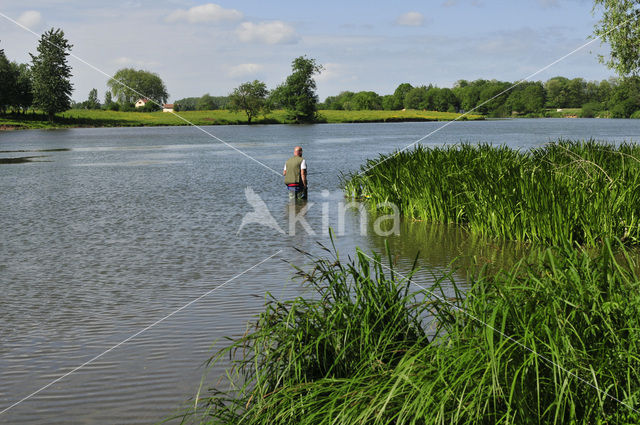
[202, 47]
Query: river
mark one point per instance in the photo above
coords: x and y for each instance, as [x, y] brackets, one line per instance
[108, 231]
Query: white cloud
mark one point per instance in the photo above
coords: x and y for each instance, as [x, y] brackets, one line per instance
[410, 19]
[209, 12]
[244, 69]
[274, 32]
[31, 19]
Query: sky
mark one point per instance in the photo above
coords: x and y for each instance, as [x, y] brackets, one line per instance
[200, 47]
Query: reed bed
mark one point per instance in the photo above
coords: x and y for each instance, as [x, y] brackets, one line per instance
[552, 340]
[566, 191]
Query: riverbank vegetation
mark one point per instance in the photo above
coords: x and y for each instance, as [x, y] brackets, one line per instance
[554, 339]
[613, 98]
[106, 118]
[566, 191]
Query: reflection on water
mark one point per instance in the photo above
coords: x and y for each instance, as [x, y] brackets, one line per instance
[22, 159]
[442, 249]
[437, 244]
[36, 150]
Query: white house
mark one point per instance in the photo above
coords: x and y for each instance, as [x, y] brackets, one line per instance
[167, 107]
[141, 102]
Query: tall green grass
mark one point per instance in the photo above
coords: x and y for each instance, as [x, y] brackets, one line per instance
[553, 340]
[567, 191]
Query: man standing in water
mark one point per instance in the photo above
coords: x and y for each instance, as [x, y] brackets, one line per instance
[295, 175]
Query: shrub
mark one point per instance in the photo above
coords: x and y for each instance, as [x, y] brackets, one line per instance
[590, 110]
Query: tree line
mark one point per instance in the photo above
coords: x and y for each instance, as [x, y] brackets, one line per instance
[620, 97]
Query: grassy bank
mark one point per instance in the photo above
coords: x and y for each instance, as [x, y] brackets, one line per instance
[576, 192]
[553, 340]
[100, 118]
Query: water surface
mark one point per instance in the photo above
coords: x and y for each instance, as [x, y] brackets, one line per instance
[112, 229]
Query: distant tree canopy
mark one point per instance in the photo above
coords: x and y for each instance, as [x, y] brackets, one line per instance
[22, 93]
[500, 98]
[7, 80]
[51, 74]
[298, 93]
[128, 85]
[16, 91]
[250, 97]
[92, 101]
[398, 96]
[204, 103]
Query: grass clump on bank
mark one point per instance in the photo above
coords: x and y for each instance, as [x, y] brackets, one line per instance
[567, 191]
[552, 340]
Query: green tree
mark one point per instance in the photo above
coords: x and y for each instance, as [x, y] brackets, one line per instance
[250, 97]
[467, 93]
[108, 99]
[51, 74]
[399, 94]
[620, 27]
[430, 99]
[328, 103]
[576, 90]
[493, 97]
[557, 92]
[625, 98]
[22, 96]
[109, 104]
[344, 101]
[604, 91]
[93, 102]
[445, 100]
[389, 102]
[415, 98]
[534, 98]
[298, 93]
[206, 103]
[7, 82]
[366, 100]
[186, 104]
[128, 85]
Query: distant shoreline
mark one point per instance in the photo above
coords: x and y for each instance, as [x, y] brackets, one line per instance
[81, 118]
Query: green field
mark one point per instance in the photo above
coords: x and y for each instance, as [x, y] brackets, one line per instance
[100, 118]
